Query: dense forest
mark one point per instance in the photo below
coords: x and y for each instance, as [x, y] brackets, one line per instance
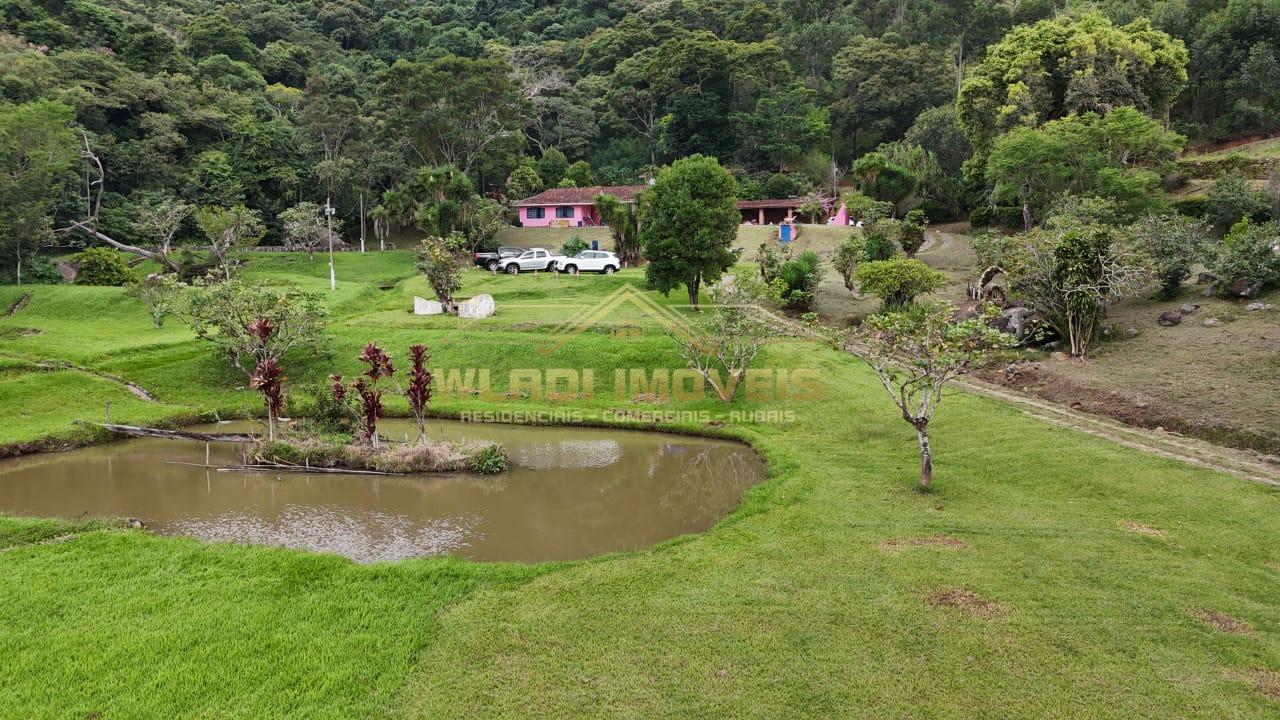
[119, 117]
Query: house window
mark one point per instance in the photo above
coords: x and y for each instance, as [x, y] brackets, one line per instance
[535, 213]
[564, 212]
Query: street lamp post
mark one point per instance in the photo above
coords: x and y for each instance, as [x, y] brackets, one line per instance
[328, 216]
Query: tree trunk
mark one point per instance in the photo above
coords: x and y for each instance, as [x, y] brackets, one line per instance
[1026, 215]
[362, 231]
[693, 293]
[19, 266]
[926, 455]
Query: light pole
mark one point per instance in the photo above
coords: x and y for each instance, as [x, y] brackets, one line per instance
[328, 217]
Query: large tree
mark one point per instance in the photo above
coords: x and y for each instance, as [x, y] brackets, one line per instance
[37, 149]
[689, 219]
[881, 86]
[1070, 64]
[454, 109]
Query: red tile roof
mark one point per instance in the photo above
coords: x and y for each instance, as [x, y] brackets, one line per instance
[582, 195]
[757, 204]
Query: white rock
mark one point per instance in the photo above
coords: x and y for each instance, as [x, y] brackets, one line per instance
[423, 306]
[1212, 322]
[1255, 307]
[480, 306]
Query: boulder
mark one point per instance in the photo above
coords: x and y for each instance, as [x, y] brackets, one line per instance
[1212, 322]
[1244, 288]
[423, 306]
[1188, 309]
[1019, 321]
[66, 270]
[480, 306]
[1256, 306]
[1206, 278]
[1169, 318]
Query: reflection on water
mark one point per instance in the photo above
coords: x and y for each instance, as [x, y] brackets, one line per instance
[571, 493]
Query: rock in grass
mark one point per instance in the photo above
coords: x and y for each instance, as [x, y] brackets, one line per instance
[1212, 322]
[423, 306]
[1169, 318]
[480, 306]
[1256, 306]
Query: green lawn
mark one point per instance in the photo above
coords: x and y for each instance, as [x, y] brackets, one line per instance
[793, 606]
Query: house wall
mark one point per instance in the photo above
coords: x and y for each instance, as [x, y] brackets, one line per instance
[583, 215]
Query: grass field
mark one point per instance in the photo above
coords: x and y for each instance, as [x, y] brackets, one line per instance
[1052, 574]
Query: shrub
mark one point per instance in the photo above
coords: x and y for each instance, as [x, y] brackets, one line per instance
[162, 294]
[899, 281]
[573, 246]
[41, 270]
[1251, 251]
[1173, 243]
[489, 460]
[878, 246]
[1196, 207]
[101, 266]
[798, 281]
[436, 260]
[332, 411]
[846, 258]
[1231, 199]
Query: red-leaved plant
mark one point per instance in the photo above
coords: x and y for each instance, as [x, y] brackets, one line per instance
[419, 390]
[268, 379]
[370, 397]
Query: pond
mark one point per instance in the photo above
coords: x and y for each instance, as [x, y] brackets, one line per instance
[570, 493]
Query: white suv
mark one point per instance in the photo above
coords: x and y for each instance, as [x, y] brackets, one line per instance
[592, 261]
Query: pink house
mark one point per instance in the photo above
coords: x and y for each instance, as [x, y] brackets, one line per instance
[570, 207]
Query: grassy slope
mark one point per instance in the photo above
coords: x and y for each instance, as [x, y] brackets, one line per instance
[788, 608]
[1268, 148]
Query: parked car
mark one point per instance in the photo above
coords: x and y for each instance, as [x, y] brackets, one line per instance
[493, 260]
[600, 261]
[531, 259]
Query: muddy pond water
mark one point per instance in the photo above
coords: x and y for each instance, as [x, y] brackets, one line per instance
[570, 493]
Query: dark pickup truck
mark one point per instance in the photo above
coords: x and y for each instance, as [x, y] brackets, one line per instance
[492, 260]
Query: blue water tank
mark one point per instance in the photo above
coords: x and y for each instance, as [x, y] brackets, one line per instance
[595, 244]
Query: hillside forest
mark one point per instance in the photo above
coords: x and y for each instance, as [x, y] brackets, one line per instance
[138, 120]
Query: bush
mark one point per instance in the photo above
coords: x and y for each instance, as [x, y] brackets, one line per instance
[573, 246]
[878, 246]
[489, 460]
[784, 186]
[898, 282]
[798, 281]
[1231, 199]
[101, 266]
[41, 270]
[999, 215]
[332, 413]
[1196, 207]
[1173, 243]
[1249, 252]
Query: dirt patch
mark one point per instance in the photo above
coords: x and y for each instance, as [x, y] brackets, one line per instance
[18, 304]
[1127, 406]
[1264, 681]
[1139, 528]
[968, 602]
[1222, 622]
[893, 546]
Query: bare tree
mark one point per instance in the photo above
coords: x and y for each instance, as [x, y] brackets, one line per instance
[915, 353]
[727, 341]
[95, 185]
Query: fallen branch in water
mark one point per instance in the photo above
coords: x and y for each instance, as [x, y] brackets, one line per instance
[135, 431]
[300, 469]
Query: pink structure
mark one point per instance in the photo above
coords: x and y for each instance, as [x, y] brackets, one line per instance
[570, 207]
[841, 217]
